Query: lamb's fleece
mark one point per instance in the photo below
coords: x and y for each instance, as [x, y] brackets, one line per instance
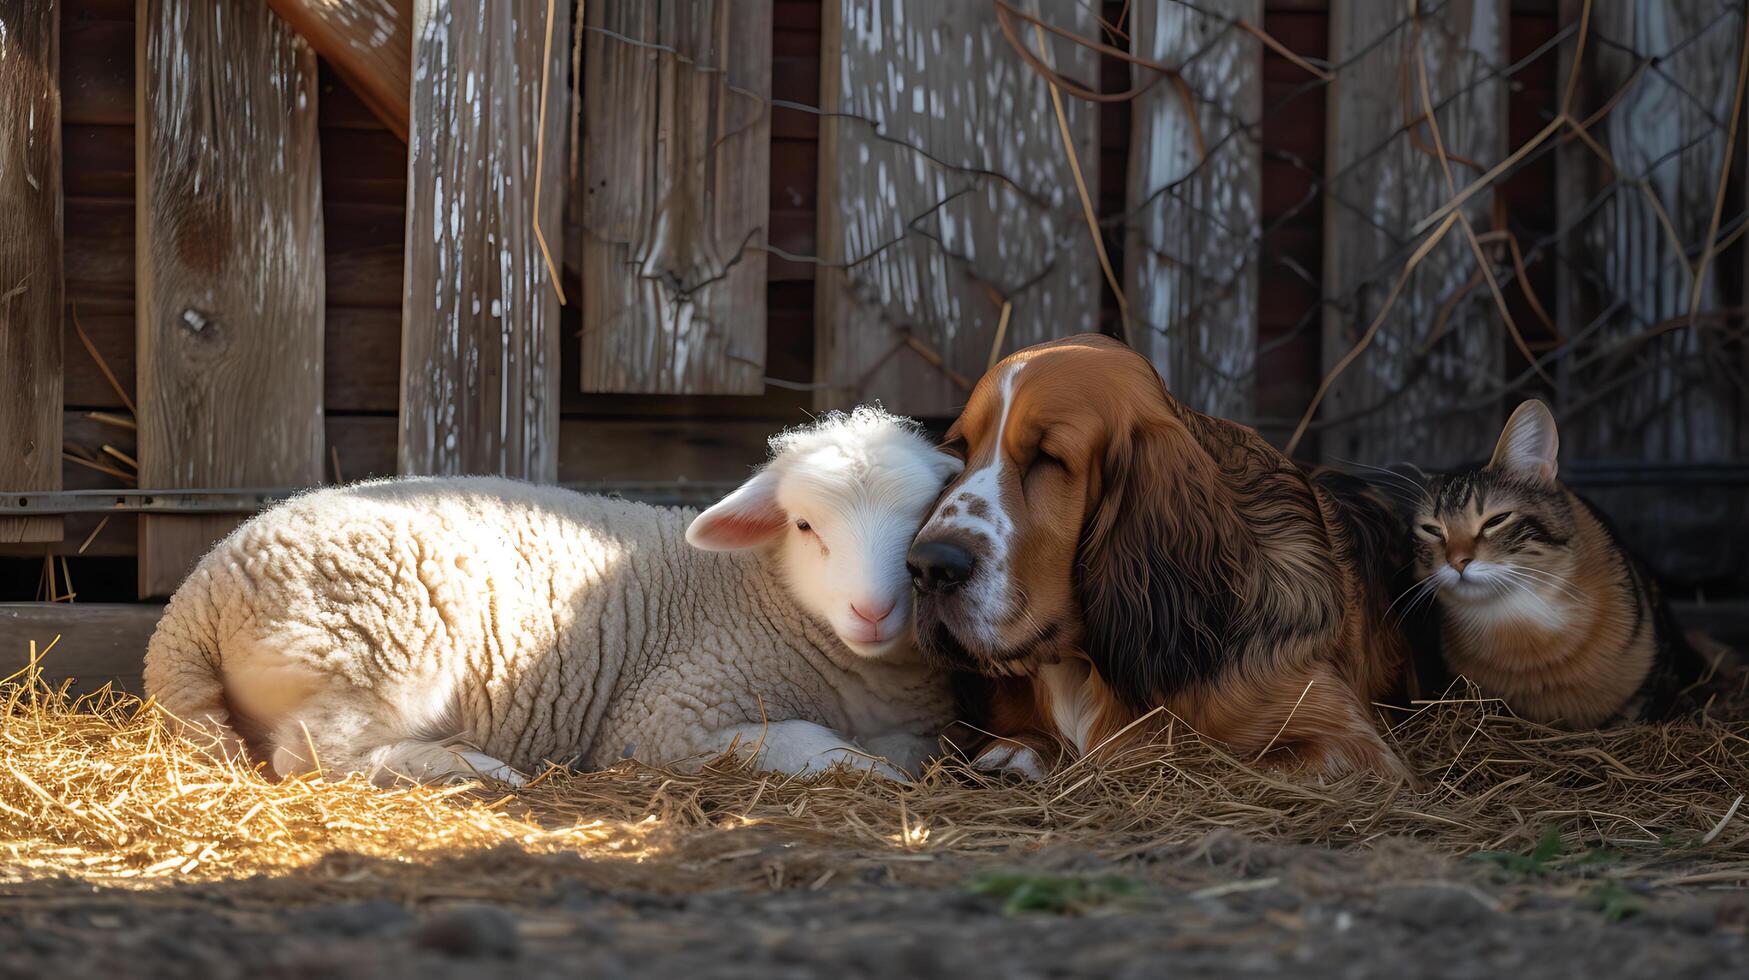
[380, 626]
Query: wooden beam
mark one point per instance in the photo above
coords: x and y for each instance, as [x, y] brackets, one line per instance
[479, 355]
[230, 283]
[682, 450]
[31, 281]
[596, 450]
[99, 643]
[370, 45]
[1192, 241]
[1405, 404]
[944, 190]
[675, 184]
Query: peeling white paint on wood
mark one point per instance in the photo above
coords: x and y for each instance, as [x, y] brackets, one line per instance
[229, 254]
[675, 188]
[1375, 197]
[480, 320]
[230, 274]
[369, 42]
[932, 248]
[1669, 131]
[1191, 251]
[31, 277]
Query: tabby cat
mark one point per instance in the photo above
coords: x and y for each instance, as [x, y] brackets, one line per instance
[1539, 603]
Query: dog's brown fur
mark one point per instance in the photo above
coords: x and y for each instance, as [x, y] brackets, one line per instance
[1188, 563]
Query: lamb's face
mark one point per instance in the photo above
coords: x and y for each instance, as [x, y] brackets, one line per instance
[851, 521]
[840, 502]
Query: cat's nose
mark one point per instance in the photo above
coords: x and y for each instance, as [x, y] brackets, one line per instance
[1460, 562]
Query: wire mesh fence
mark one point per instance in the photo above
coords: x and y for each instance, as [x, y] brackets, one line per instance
[1498, 206]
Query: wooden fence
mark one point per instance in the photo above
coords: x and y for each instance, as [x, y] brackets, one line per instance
[253, 247]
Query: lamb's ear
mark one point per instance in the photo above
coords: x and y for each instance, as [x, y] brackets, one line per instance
[1529, 446]
[749, 516]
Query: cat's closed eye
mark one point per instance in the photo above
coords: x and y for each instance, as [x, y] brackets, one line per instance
[1433, 529]
[1495, 521]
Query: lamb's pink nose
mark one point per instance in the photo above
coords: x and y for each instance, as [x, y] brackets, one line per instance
[873, 612]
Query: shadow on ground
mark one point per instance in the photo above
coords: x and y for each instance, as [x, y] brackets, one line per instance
[756, 902]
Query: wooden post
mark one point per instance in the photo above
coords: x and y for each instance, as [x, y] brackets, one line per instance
[230, 280]
[30, 258]
[1191, 250]
[1406, 400]
[675, 184]
[480, 321]
[945, 189]
[1632, 394]
[369, 43]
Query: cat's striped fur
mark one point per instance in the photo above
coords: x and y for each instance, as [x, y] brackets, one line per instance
[1539, 602]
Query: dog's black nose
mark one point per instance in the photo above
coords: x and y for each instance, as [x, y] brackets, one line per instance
[939, 566]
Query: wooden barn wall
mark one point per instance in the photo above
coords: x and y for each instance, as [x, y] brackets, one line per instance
[950, 230]
[605, 436]
[30, 259]
[672, 197]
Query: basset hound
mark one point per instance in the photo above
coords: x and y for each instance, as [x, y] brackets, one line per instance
[1108, 553]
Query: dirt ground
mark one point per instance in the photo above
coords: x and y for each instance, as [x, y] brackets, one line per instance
[1226, 906]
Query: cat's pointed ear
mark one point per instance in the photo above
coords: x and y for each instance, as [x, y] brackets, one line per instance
[1529, 446]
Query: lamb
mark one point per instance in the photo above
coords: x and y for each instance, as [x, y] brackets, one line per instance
[439, 628]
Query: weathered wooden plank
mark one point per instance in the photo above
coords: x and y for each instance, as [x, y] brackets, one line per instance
[479, 356]
[675, 182]
[100, 643]
[1639, 387]
[230, 284]
[366, 255]
[1404, 403]
[99, 258]
[1191, 245]
[369, 43]
[30, 258]
[945, 188]
[593, 450]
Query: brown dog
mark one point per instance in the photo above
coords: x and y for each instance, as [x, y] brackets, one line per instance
[1108, 550]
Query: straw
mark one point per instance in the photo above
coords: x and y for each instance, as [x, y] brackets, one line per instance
[98, 789]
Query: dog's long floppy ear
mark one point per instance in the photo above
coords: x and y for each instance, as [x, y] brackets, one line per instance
[1159, 565]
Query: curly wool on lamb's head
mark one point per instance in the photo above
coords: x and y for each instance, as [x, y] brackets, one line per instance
[840, 500]
[865, 426]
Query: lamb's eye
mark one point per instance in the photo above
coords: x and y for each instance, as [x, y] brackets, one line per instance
[1495, 521]
[1432, 529]
[804, 526]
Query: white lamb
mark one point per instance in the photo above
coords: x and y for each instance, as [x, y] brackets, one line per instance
[434, 628]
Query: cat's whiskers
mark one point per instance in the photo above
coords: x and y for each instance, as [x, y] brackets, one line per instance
[1426, 586]
[1427, 597]
[1418, 494]
[1552, 578]
[1547, 579]
[1511, 580]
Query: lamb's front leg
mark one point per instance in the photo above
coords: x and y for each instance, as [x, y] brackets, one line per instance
[800, 746]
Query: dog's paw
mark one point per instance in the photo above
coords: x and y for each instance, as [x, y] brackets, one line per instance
[1011, 757]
